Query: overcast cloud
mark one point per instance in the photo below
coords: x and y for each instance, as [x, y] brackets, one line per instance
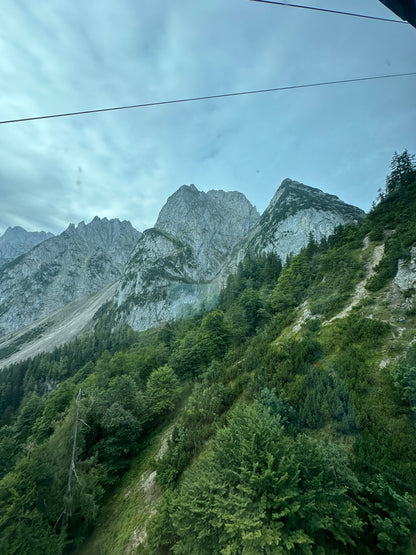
[66, 56]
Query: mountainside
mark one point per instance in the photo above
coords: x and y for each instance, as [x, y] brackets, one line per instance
[199, 239]
[281, 421]
[173, 263]
[295, 213]
[16, 241]
[70, 266]
[174, 269]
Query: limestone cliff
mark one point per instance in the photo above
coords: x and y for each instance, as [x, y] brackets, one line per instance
[72, 265]
[296, 212]
[199, 239]
[173, 264]
[16, 241]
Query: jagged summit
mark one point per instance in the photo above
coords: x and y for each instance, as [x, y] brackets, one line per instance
[198, 240]
[173, 262]
[296, 211]
[293, 196]
[78, 262]
[188, 210]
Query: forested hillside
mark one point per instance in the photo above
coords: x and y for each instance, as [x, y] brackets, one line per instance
[282, 421]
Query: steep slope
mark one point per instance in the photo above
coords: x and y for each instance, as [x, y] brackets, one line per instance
[73, 265]
[173, 263]
[192, 430]
[346, 380]
[200, 238]
[16, 241]
[210, 223]
[54, 330]
[294, 214]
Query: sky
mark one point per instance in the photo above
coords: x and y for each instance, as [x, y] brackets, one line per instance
[69, 56]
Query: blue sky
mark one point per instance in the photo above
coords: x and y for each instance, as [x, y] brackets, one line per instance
[66, 56]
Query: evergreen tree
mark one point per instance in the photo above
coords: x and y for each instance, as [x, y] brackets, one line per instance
[403, 171]
[260, 491]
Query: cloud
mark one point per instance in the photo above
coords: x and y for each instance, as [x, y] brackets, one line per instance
[75, 56]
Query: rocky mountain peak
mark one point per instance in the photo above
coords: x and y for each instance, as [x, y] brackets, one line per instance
[198, 217]
[17, 241]
[292, 197]
[73, 265]
[101, 231]
[296, 211]
[189, 245]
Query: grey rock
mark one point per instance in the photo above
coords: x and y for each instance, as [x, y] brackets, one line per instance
[295, 213]
[16, 241]
[73, 265]
[210, 223]
[200, 238]
[405, 278]
[170, 271]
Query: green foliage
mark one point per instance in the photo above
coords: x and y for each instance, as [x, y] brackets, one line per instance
[369, 332]
[391, 516]
[162, 390]
[187, 357]
[276, 478]
[55, 404]
[33, 505]
[201, 415]
[404, 378]
[258, 491]
[326, 400]
[122, 431]
[338, 273]
[214, 337]
[403, 172]
[395, 211]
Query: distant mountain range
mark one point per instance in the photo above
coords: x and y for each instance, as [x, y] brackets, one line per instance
[16, 241]
[167, 271]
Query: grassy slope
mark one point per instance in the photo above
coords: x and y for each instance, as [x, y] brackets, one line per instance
[122, 523]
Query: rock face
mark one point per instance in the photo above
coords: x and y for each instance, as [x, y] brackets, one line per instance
[16, 241]
[294, 214]
[200, 238]
[174, 263]
[406, 272]
[172, 269]
[70, 266]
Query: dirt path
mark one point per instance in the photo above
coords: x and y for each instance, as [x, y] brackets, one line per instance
[360, 290]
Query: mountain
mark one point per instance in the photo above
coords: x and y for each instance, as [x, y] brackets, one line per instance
[73, 265]
[16, 241]
[169, 271]
[199, 239]
[281, 421]
[295, 213]
[174, 263]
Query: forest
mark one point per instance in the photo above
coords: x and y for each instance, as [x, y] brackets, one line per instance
[292, 430]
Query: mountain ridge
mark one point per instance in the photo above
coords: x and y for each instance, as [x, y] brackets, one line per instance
[172, 269]
[78, 262]
[16, 241]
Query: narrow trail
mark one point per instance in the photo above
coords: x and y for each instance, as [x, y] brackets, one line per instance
[360, 290]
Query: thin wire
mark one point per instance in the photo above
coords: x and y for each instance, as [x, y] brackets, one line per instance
[329, 11]
[208, 97]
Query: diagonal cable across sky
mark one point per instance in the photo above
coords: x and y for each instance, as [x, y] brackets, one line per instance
[208, 97]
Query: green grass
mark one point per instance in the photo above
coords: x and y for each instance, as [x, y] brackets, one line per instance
[125, 514]
[128, 508]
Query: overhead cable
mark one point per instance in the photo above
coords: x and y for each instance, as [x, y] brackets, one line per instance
[208, 97]
[329, 11]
